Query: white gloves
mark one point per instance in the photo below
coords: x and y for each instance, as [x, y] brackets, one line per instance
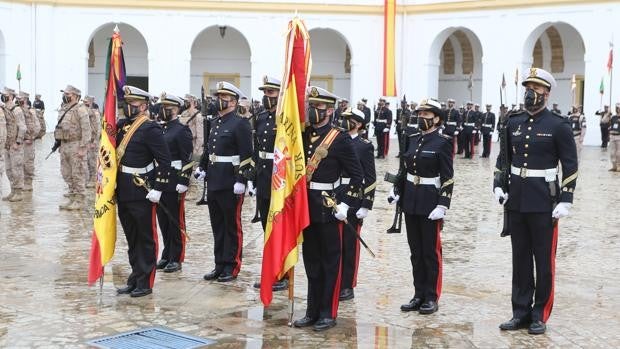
[475, 131]
[438, 213]
[251, 188]
[199, 174]
[341, 211]
[361, 213]
[239, 188]
[456, 133]
[386, 130]
[181, 188]
[154, 196]
[393, 198]
[561, 210]
[500, 196]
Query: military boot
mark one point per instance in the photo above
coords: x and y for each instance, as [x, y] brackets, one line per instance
[77, 203]
[8, 197]
[27, 186]
[17, 195]
[67, 203]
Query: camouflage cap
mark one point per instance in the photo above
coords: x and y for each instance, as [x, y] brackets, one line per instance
[8, 91]
[71, 89]
[23, 95]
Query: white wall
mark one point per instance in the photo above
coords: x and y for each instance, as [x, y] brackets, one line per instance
[328, 58]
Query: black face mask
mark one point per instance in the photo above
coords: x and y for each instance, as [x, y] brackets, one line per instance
[425, 124]
[4, 98]
[66, 99]
[166, 114]
[533, 101]
[221, 104]
[315, 115]
[346, 124]
[269, 102]
[131, 111]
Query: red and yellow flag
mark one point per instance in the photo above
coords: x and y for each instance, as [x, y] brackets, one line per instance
[389, 51]
[104, 219]
[288, 211]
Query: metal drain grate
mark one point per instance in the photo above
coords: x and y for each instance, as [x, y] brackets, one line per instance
[150, 338]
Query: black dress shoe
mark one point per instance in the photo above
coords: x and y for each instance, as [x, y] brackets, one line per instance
[304, 322]
[324, 324]
[280, 285]
[214, 274]
[141, 292]
[428, 307]
[257, 284]
[172, 267]
[514, 324]
[537, 327]
[413, 305]
[346, 294]
[226, 277]
[126, 290]
[162, 264]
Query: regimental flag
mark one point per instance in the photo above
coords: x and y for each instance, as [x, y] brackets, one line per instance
[18, 75]
[503, 81]
[470, 83]
[389, 51]
[517, 77]
[288, 211]
[610, 59]
[104, 221]
[601, 88]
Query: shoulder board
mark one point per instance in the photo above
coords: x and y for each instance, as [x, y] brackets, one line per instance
[414, 134]
[517, 113]
[448, 137]
[558, 114]
[364, 140]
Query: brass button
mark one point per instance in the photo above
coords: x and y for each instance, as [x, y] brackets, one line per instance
[527, 137]
[527, 145]
[525, 154]
[531, 120]
[525, 164]
[529, 128]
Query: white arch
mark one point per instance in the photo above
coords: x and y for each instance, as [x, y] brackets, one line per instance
[341, 81]
[2, 58]
[563, 28]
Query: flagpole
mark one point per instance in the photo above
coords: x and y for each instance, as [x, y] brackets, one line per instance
[611, 84]
[291, 295]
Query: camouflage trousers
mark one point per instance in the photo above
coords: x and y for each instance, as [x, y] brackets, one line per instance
[73, 167]
[29, 151]
[14, 160]
[614, 153]
[93, 150]
[1, 164]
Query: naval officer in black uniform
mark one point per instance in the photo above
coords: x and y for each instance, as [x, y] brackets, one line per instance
[140, 145]
[537, 141]
[425, 184]
[353, 123]
[487, 128]
[227, 165]
[178, 138]
[329, 153]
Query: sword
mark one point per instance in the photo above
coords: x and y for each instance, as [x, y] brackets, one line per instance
[330, 202]
[140, 182]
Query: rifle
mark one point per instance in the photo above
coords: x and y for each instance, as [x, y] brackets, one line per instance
[54, 148]
[502, 177]
[399, 185]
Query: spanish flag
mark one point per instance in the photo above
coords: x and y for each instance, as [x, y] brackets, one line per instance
[288, 211]
[104, 231]
[389, 51]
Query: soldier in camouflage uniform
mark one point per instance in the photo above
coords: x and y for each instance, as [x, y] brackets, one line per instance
[33, 128]
[39, 108]
[2, 138]
[14, 154]
[74, 132]
[194, 120]
[95, 126]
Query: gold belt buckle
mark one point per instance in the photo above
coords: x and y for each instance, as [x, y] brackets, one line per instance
[523, 173]
[416, 180]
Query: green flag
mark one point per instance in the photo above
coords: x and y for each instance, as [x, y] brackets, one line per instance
[601, 88]
[18, 76]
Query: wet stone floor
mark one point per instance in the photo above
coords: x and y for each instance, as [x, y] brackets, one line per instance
[45, 302]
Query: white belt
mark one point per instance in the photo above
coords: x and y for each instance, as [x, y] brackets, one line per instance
[345, 180]
[381, 120]
[324, 186]
[412, 125]
[451, 123]
[234, 159]
[176, 164]
[138, 170]
[417, 180]
[549, 174]
[265, 155]
[487, 125]
[469, 124]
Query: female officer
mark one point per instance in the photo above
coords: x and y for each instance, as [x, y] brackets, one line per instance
[426, 188]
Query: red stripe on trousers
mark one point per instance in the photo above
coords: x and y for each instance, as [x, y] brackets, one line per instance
[154, 230]
[554, 245]
[182, 225]
[386, 143]
[439, 259]
[453, 146]
[336, 294]
[239, 236]
[357, 256]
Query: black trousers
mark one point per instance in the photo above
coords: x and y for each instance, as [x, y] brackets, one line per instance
[534, 241]
[486, 145]
[350, 251]
[604, 135]
[460, 140]
[140, 227]
[174, 241]
[401, 140]
[225, 214]
[322, 248]
[424, 237]
[263, 209]
[383, 142]
[468, 143]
